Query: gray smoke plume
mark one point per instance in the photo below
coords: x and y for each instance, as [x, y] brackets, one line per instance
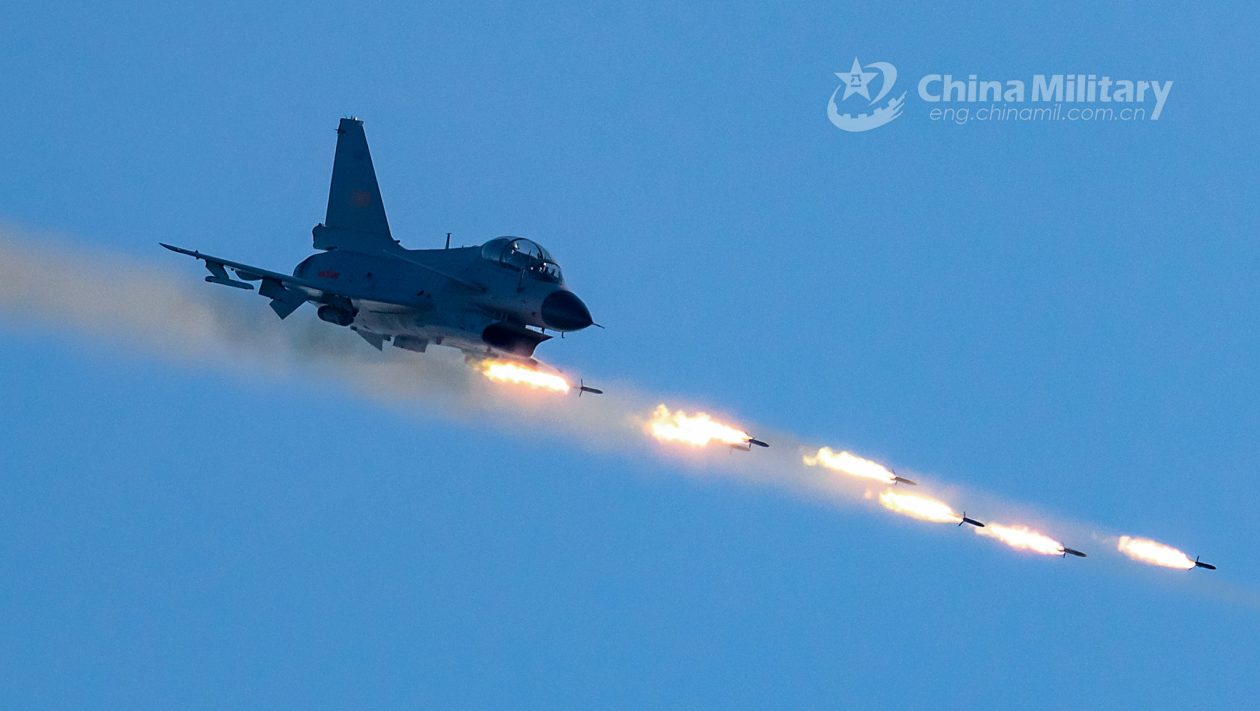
[161, 309]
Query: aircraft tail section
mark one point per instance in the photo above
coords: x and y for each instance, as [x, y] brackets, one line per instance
[356, 216]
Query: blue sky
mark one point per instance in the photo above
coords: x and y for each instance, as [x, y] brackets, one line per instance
[1057, 314]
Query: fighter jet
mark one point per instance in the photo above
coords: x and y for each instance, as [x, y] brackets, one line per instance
[497, 300]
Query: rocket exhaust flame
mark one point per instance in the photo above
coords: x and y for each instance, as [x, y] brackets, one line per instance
[1144, 550]
[853, 465]
[696, 430]
[1022, 538]
[920, 507]
[502, 371]
[169, 319]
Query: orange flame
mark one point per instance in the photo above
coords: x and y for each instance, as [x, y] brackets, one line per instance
[1022, 538]
[503, 371]
[920, 507]
[695, 430]
[1144, 550]
[850, 464]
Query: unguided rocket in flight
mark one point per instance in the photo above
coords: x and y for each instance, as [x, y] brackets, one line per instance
[1145, 550]
[972, 521]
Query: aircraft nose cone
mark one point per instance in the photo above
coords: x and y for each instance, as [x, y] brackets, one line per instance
[564, 311]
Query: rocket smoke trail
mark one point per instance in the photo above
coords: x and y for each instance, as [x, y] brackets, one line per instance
[169, 313]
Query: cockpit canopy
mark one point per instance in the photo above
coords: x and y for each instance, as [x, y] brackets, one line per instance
[521, 254]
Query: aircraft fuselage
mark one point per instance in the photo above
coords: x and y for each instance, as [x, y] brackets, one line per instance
[443, 296]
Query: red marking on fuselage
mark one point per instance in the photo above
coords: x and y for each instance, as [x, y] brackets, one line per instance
[329, 274]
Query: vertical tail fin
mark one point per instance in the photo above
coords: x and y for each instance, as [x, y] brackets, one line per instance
[356, 215]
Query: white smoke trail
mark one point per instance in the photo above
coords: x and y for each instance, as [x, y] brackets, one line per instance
[163, 309]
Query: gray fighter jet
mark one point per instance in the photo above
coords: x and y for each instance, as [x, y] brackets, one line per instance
[497, 300]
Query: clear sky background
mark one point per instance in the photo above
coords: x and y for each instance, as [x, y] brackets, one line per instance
[1060, 314]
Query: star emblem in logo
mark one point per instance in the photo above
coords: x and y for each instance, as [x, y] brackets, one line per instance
[855, 81]
[858, 81]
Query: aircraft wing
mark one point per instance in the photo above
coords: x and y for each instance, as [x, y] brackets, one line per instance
[286, 292]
